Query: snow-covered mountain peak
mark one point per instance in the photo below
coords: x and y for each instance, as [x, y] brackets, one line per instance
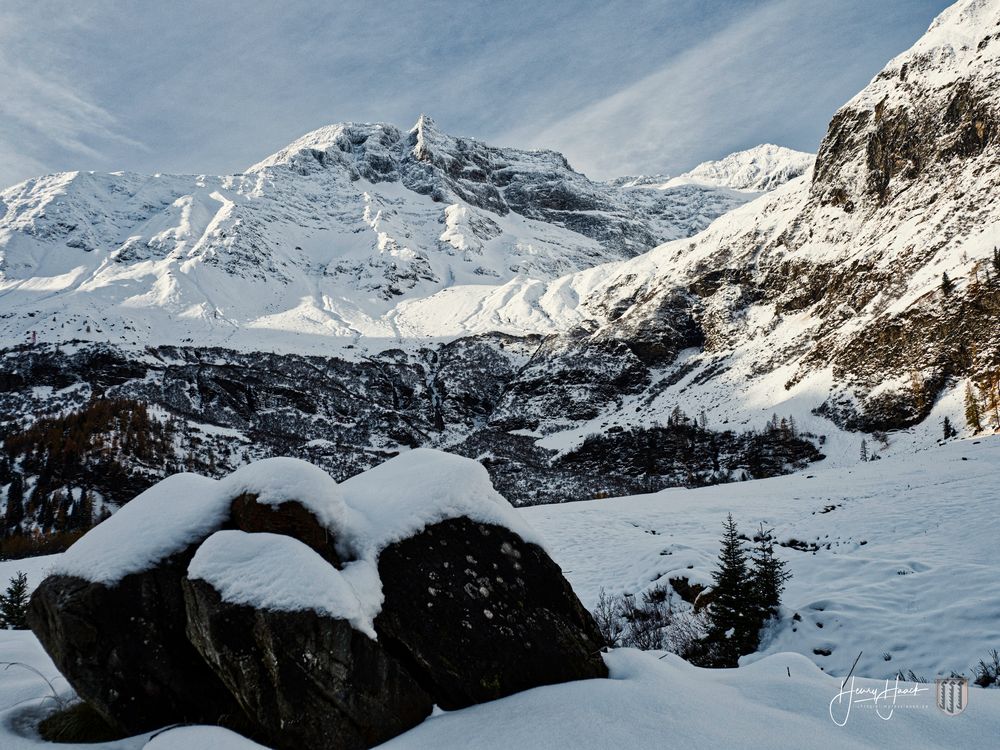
[961, 41]
[371, 150]
[639, 180]
[326, 236]
[424, 135]
[757, 170]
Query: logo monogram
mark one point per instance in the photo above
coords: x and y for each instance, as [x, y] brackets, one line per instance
[952, 695]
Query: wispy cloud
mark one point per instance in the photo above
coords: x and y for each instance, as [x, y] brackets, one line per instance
[775, 73]
[47, 122]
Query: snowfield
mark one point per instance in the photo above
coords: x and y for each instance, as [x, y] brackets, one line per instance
[905, 567]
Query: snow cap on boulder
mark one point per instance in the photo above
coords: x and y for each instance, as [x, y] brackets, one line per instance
[277, 573]
[401, 497]
[183, 509]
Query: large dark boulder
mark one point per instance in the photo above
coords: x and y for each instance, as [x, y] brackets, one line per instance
[477, 613]
[472, 612]
[309, 680]
[124, 649]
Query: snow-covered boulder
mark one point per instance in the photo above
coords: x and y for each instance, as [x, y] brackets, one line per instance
[124, 650]
[312, 613]
[290, 518]
[278, 624]
[469, 592]
[111, 615]
[483, 614]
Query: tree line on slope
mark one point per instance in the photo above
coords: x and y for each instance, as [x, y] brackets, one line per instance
[65, 473]
[686, 452]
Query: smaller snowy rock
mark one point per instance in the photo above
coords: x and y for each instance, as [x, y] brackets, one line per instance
[308, 678]
[162, 521]
[186, 508]
[275, 572]
[274, 481]
[405, 495]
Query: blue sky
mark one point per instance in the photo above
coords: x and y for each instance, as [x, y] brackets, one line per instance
[641, 86]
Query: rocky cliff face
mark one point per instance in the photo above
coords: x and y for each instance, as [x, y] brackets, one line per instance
[211, 410]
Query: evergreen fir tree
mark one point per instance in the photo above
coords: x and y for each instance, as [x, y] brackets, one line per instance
[767, 577]
[949, 430]
[733, 623]
[973, 417]
[947, 285]
[62, 507]
[14, 604]
[46, 513]
[990, 390]
[864, 449]
[31, 502]
[84, 517]
[996, 261]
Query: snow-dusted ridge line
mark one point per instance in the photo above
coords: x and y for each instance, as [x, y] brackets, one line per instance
[756, 170]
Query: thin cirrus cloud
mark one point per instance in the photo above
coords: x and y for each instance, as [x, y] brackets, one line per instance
[44, 115]
[620, 86]
[776, 74]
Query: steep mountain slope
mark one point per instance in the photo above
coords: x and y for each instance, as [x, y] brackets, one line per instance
[863, 290]
[320, 240]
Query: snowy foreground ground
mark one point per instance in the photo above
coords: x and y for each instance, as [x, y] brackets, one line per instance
[906, 571]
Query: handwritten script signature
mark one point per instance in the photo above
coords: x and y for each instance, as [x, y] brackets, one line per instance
[882, 700]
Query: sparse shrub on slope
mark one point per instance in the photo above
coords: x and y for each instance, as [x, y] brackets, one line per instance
[987, 672]
[648, 622]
